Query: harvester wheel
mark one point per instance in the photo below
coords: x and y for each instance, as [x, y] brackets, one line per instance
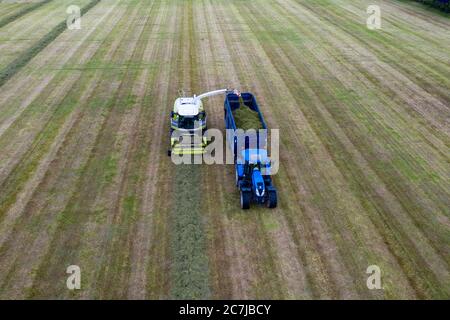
[272, 201]
[245, 200]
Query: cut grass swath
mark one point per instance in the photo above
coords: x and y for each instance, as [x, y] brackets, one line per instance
[190, 263]
[190, 266]
[246, 118]
[22, 12]
[15, 66]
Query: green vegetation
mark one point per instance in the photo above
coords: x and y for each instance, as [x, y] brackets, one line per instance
[245, 118]
[85, 179]
[23, 11]
[190, 262]
[17, 64]
[190, 265]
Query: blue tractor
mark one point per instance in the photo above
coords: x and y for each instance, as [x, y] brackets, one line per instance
[253, 179]
[252, 164]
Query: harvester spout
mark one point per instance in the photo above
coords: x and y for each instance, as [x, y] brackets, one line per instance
[210, 94]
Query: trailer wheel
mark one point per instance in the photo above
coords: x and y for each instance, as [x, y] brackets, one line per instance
[169, 153]
[272, 201]
[245, 200]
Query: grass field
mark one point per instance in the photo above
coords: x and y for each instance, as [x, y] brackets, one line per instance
[364, 152]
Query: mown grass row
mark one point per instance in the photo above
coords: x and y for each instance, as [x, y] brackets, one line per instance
[20, 13]
[190, 270]
[190, 267]
[22, 60]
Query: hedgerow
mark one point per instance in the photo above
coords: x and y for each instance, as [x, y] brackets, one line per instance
[443, 5]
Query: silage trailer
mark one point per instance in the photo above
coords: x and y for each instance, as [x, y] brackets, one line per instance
[252, 164]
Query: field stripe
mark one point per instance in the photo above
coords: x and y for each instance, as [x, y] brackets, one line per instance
[102, 174]
[22, 12]
[291, 66]
[190, 267]
[44, 209]
[85, 179]
[420, 168]
[9, 71]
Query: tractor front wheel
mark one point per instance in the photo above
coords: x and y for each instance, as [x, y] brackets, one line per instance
[272, 201]
[245, 200]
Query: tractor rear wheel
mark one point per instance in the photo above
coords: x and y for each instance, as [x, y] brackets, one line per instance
[245, 200]
[272, 201]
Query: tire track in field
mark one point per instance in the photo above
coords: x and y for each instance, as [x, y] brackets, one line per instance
[159, 268]
[104, 233]
[263, 253]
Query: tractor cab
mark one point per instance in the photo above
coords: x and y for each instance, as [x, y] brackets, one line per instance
[253, 178]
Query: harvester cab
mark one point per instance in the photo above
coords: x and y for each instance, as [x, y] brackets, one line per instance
[189, 122]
